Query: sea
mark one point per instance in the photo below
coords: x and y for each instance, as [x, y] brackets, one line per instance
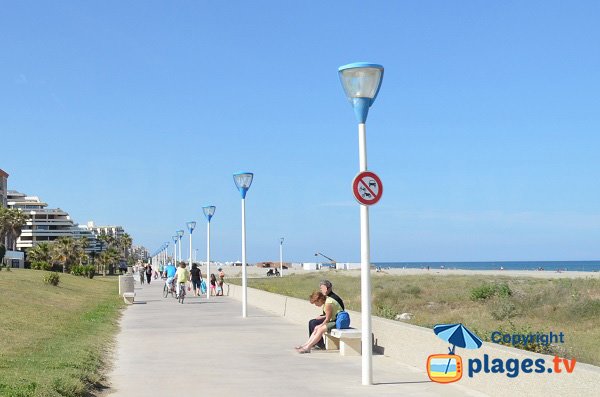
[572, 266]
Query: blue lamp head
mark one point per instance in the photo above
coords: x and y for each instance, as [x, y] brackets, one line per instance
[175, 239]
[243, 180]
[209, 211]
[361, 82]
[191, 226]
[180, 233]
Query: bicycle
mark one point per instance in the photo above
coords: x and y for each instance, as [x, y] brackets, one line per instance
[181, 293]
[169, 290]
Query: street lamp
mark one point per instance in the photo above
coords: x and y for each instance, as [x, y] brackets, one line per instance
[209, 211]
[165, 254]
[243, 180]
[361, 82]
[175, 249]
[180, 235]
[281, 256]
[191, 225]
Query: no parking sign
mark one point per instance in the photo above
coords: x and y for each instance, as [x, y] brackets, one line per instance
[367, 188]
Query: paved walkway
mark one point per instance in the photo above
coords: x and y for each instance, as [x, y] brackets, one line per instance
[167, 349]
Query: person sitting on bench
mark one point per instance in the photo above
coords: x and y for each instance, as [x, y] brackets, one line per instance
[326, 289]
[331, 308]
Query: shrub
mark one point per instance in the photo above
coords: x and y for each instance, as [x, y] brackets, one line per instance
[503, 290]
[89, 271]
[52, 279]
[41, 265]
[482, 292]
[386, 312]
[486, 291]
[77, 270]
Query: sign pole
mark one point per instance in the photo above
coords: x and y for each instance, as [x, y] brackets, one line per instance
[365, 270]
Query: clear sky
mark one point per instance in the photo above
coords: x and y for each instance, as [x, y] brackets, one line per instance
[485, 133]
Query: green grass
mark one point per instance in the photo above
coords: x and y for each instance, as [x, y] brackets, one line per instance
[54, 340]
[483, 303]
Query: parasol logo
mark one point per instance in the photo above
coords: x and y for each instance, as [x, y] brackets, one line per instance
[447, 368]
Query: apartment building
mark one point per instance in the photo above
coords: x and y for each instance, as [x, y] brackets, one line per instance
[114, 231]
[3, 188]
[45, 224]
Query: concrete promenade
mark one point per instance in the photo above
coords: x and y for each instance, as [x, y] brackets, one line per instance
[165, 348]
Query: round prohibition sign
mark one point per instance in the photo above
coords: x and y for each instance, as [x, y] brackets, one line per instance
[367, 188]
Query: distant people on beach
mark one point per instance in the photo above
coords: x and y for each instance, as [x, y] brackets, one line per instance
[326, 288]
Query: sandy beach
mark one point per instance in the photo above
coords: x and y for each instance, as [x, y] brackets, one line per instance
[253, 271]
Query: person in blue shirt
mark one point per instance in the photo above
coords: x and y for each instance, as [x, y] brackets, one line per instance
[169, 273]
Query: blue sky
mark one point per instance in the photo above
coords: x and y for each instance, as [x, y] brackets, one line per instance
[485, 132]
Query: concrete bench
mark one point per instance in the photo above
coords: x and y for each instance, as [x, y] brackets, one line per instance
[128, 297]
[346, 340]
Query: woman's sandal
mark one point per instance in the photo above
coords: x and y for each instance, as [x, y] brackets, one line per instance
[298, 347]
[304, 350]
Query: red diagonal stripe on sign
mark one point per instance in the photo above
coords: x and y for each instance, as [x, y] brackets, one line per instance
[368, 188]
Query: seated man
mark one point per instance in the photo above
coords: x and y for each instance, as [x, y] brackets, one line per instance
[326, 289]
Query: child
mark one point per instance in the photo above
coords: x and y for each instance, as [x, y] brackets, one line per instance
[213, 284]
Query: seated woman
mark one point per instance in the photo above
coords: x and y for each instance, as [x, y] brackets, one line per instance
[331, 308]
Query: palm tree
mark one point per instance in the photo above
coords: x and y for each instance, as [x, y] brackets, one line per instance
[65, 252]
[42, 252]
[107, 258]
[11, 225]
[3, 224]
[83, 243]
[125, 242]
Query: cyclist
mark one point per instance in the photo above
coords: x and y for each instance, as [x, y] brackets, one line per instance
[182, 275]
[169, 273]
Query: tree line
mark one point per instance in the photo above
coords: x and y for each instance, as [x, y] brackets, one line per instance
[64, 252]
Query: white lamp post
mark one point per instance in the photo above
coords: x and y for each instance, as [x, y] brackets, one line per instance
[180, 235]
[243, 180]
[281, 256]
[209, 211]
[361, 82]
[165, 254]
[175, 238]
[191, 226]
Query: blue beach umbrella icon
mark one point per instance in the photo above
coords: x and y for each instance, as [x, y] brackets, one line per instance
[457, 335]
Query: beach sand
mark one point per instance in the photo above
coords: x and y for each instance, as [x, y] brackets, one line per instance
[253, 271]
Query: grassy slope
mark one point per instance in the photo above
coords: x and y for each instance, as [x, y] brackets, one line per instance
[54, 339]
[571, 306]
